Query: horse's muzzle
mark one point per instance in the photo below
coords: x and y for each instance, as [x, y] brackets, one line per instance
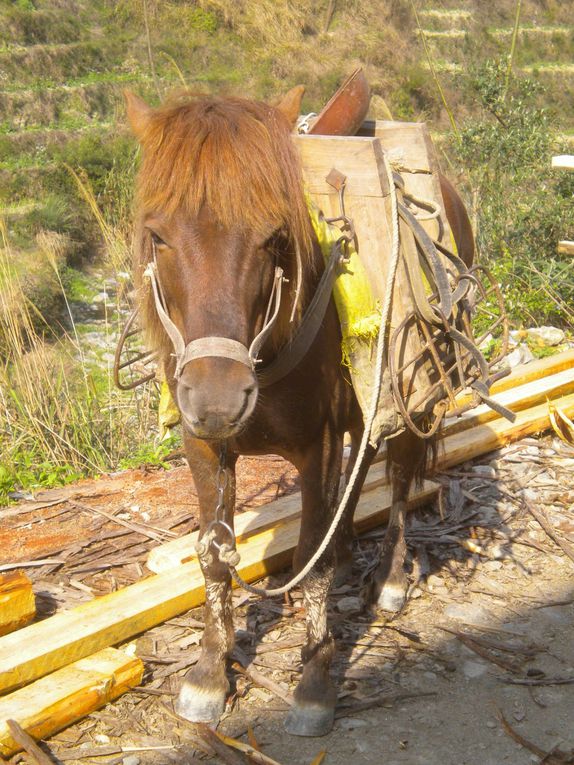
[216, 397]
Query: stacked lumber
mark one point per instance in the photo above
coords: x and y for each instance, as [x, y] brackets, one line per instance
[45, 667]
[71, 693]
[17, 604]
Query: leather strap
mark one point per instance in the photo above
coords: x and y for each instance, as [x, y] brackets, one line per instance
[292, 353]
[224, 347]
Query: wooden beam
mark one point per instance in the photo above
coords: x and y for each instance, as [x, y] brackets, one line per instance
[525, 373]
[524, 396]
[56, 701]
[46, 646]
[468, 444]
[17, 604]
[566, 247]
[563, 162]
[270, 516]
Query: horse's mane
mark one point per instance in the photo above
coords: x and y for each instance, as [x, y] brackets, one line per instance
[231, 154]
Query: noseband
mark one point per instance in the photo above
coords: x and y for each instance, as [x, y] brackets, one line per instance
[222, 347]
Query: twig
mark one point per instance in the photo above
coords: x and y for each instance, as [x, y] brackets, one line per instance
[540, 516]
[378, 701]
[539, 681]
[329, 15]
[213, 741]
[512, 48]
[553, 757]
[139, 528]
[242, 665]
[29, 563]
[27, 743]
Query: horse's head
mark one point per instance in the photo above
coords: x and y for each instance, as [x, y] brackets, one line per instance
[220, 208]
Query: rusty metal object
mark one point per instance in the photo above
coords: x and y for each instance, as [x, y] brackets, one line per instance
[123, 359]
[346, 110]
[450, 355]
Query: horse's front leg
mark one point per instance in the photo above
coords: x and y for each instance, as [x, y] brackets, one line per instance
[205, 687]
[406, 454]
[315, 696]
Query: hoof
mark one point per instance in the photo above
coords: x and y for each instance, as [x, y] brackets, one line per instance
[392, 598]
[198, 704]
[309, 720]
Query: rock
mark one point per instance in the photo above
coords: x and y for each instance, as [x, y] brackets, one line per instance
[101, 738]
[350, 723]
[435, 582]
[349, 604]
[486, 470]
[546, 336]
[472, 669]
[467, 612]
[131, 759]
[520, 355]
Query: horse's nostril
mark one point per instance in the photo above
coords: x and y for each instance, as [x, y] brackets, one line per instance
[249, 390]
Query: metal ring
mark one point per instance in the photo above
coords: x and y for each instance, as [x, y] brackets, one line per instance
[226, 527]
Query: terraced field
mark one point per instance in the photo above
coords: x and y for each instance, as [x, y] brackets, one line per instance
[462, 35]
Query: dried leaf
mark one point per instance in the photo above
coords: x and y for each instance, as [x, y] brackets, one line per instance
[319, 758]
[561, 424]
[257, 757]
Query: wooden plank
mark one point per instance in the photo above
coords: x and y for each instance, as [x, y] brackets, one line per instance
[56, 701]
[361, 160]
[516, 399]
[524, 373]
[468, 444]
[17, 604]
[177, 551]
[404, 141]
[46, 646]
[362, 164]
[566, 247]
[411, 149]
[563, 162]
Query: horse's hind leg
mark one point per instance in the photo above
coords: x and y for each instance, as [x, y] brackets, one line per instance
[205, 687]
[315, 696]
[345, 533]
[406, 455]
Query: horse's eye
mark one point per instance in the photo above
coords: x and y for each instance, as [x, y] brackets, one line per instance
[157, 240]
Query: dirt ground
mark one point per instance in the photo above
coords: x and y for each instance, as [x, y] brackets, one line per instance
[478, 669]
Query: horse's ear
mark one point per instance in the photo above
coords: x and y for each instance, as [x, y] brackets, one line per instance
[290, 104]
[138, 113]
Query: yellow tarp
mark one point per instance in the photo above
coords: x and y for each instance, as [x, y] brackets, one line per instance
[358, 311]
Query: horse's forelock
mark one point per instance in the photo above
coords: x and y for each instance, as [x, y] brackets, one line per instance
[231, 154]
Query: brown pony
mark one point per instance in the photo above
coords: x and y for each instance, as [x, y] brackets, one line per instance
[220, 205]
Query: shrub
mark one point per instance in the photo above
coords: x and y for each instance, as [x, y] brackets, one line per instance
[519, 205]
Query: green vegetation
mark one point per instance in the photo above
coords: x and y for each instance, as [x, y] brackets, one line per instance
[521, 207]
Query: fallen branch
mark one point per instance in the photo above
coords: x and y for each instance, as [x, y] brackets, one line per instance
[28, 744]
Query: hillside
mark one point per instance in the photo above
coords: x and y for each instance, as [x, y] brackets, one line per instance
[67, 164]
[64, 64]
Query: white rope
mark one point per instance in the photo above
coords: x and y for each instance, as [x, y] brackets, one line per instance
[379, 369]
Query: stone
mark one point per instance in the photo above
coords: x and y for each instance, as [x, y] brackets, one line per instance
[467, 612]
[473, 669]
[349, 604]
[350, 723]
[131, 759]
[486, 470]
